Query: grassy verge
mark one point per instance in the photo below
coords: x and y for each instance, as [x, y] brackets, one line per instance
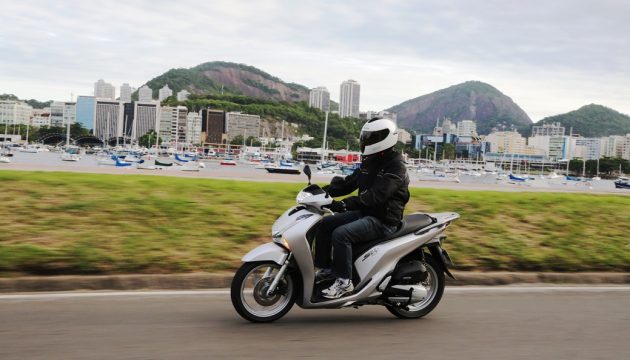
[60, 223]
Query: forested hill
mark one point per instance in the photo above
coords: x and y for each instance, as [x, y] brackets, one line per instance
[34, 103]
[592, 121]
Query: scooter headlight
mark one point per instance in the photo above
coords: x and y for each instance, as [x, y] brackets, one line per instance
[280, 240]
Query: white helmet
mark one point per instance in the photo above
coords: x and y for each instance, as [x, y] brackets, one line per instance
[378, 135]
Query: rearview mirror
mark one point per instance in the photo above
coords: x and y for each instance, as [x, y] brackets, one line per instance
[307, 171]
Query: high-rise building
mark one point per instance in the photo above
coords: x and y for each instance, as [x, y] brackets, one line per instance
[510, 142]
[85, 111]
[554, 129]
[62, 113]
[104, 90]
[125, 93]
[246, 125]
[182, 95]
[145, 118]
[466, 128]
[15, 112]
[193, 128]
[587, 148]
[213, 125]
[164, 92]
[108, 116]
[349, 99]
[319, 98]
[173, 121]
[625, 149]
[145, 94]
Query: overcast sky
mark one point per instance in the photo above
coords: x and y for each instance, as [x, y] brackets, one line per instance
[549, 56]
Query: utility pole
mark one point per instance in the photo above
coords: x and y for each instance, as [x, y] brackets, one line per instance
[324, 140]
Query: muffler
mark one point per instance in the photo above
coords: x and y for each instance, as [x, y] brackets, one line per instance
[406, 294]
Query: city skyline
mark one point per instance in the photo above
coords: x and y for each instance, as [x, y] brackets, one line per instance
[549, 58]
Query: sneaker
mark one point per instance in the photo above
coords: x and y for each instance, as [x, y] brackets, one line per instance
[324, 275]
[340, 288]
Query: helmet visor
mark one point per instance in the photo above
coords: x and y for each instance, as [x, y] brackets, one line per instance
[372, 137]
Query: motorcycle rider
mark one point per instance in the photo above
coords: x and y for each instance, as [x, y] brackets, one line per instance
[374, 213]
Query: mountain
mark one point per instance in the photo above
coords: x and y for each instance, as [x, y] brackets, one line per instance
[217, 77]
[592, 121]
[472, 100]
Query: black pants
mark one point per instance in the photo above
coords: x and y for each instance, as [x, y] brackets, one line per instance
[339, 232]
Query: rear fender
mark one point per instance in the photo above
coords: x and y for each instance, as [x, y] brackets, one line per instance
[267, 252]
[442, 257]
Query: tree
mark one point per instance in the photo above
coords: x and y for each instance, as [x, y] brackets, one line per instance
[449, 151]
[237, 140]
[148, 140]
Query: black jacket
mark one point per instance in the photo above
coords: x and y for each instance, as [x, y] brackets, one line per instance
[383, 186]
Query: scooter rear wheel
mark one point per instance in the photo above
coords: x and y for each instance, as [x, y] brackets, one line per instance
[249, 292]
[435, 285]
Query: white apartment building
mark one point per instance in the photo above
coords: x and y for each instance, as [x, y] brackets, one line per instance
[104, 90]
[612, 146]
[108, 119]
[319, 98]
[586, 148]
[164, 92]
[554, 129]
[382, 115]
[182, 95]
[404, 136]
[173, 121]
[350, 94]
[125, 93]
[193, 128]
[625, 153]
[246, 125]
[145, 118]
[63, 113]
[145, 94]
[466, 128]
[41, 117]
[506, 142]
[15, 112]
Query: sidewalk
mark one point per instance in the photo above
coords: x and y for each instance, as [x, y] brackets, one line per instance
[214, 281]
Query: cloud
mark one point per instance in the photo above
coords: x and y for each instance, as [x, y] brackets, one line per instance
[550, 57]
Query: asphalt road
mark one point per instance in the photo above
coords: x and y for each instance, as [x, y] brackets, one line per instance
[470, 323]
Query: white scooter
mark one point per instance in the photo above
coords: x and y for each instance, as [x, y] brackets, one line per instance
[403, 272]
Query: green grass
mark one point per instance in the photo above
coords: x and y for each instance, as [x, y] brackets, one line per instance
[69, 223]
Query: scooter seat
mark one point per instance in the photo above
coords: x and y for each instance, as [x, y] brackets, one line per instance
[410, 223]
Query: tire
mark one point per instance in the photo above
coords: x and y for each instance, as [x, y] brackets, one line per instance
[436, 276]
[257, 306]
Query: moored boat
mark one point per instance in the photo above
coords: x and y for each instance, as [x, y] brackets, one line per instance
[622, 183]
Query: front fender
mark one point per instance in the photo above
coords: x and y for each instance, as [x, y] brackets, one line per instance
[267, 252]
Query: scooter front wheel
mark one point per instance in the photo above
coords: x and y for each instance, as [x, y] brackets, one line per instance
[249, 292]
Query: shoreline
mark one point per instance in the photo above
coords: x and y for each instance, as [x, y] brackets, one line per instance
[215, 171]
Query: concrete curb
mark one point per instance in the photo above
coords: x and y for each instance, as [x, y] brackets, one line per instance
[214, 281]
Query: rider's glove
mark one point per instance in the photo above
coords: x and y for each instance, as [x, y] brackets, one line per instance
[337, 206]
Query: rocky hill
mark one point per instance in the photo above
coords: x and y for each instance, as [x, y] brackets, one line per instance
[592, 121]
[215, 77]
[472, 100]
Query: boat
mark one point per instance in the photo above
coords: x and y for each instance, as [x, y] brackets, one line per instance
[285, 167]
[622, 183]
[66, 156]
[4, 159]
[181, 159]
[228, 161]
[518, 178]
[163, 163]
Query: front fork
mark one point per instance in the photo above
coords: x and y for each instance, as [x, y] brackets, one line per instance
[279, 275]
